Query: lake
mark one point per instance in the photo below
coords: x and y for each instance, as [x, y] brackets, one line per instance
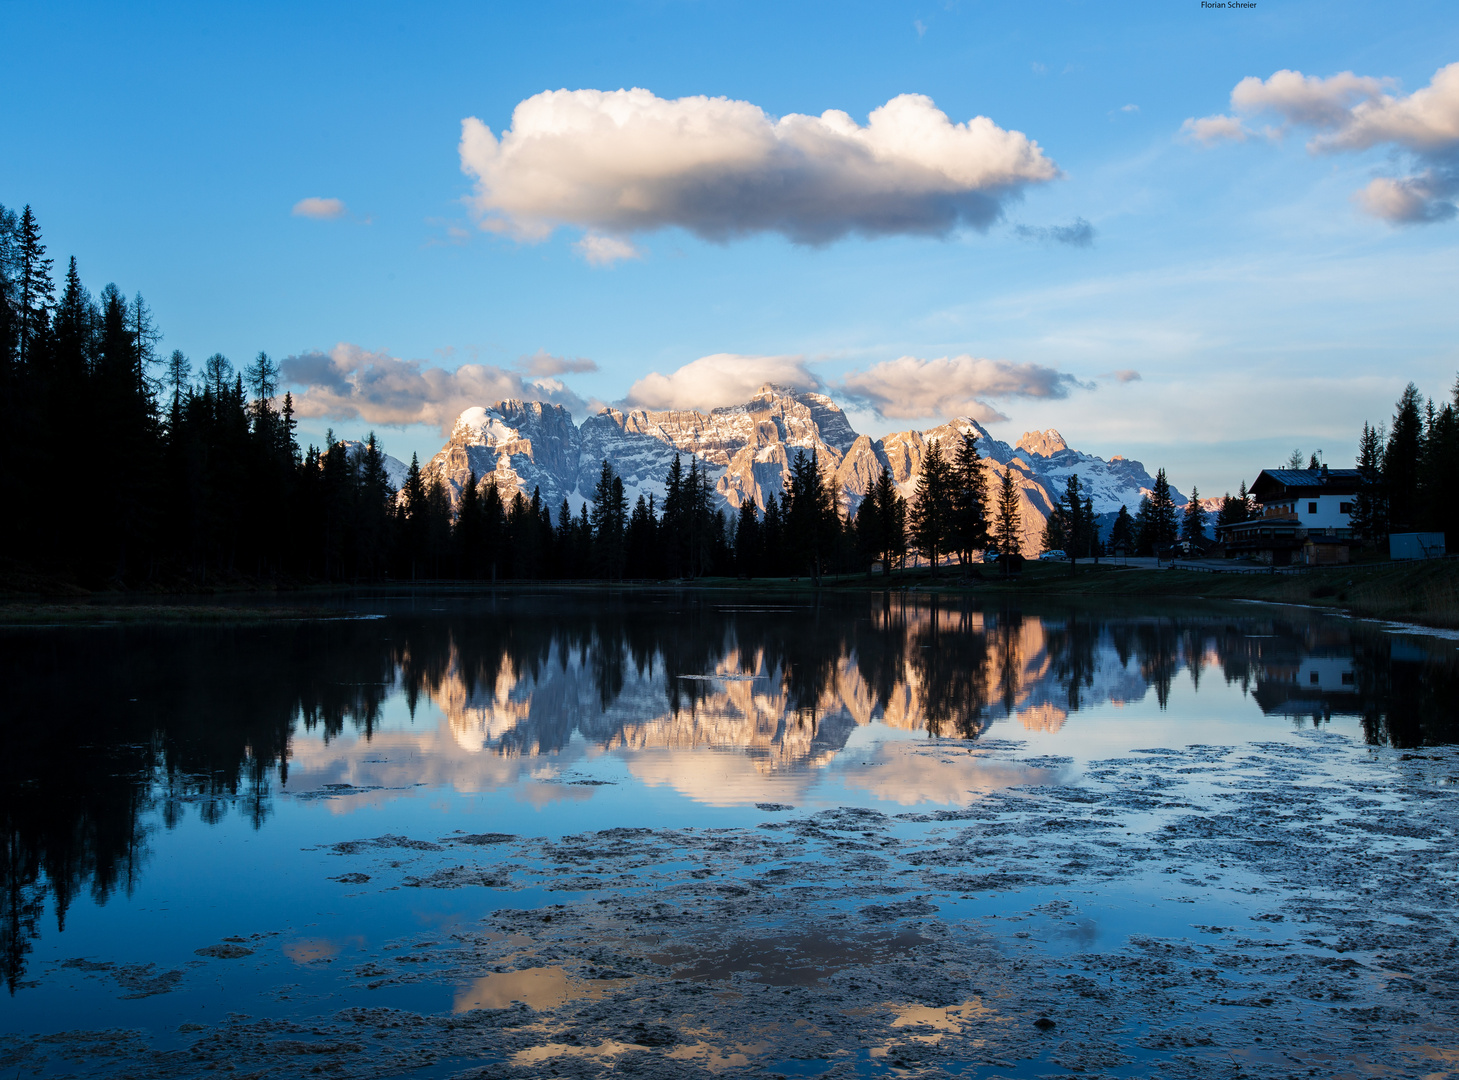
[513, 834]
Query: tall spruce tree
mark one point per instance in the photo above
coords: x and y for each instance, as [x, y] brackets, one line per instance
[1056, 531]
[1193, 521]
[810, 520]
[747, 540]
[882, 522]
[1145, 527]
[1122, 532]
[1370, 504]
[34, 288]
[932, 517]
[970, 501]
[1162, 522]
[1007, 520]
[1401, 461]
[1077, 524]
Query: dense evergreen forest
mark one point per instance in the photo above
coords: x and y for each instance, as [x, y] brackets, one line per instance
[125, 466]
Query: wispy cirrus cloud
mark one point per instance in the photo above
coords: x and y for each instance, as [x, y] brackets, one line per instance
[349, 382]
[1351, 113]
[1078, 233]
[621, 162]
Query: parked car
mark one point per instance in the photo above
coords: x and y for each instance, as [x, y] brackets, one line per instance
[991, 555]
[1053, 556]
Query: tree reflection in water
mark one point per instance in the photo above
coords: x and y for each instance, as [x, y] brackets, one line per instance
[110, 733]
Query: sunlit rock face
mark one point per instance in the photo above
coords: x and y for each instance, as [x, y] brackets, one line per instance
[1110, 484]
[746, 451]
[521, 445]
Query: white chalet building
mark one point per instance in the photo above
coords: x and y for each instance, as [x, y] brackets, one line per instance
[1305, 516]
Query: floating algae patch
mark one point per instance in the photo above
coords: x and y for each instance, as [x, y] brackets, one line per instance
[793, 959]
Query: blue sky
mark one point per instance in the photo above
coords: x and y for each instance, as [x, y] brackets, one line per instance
[1264, 308]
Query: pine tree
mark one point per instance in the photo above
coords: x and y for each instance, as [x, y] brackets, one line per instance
[1193, 521]
[1056, 531]
[1122, 533]
[1145, 527]
[467, 528]
[772, 538]
[608, 517]
[932, 516]
[1401, 461]
[970, 501]
[413, 523]
[747, 540]
[674, 526]
[1007, 521]
[810, 521]
[881, 522]
[1439, 472]
[1162, 520]
[642, 543]
[1370, 505]
[34, 288]
[9, 301]
[1077, 525]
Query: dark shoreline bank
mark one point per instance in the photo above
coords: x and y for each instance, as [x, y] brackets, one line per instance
[1424, 593]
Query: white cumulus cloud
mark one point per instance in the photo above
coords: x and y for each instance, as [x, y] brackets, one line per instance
[599, 250]
[1349, 112]
[1214, 129]
[913, 388]
[1305, 99]
[349, 383]
[322, 209]
[720, 379]
[625, 161]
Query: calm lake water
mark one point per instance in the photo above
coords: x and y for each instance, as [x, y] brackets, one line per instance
[221, 839]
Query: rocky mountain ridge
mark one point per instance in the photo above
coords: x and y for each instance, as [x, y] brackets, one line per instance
[747, 451]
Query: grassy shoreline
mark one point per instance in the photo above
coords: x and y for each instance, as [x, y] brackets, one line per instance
[1424, 593]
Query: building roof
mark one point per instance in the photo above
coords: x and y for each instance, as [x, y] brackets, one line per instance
[1287, 481]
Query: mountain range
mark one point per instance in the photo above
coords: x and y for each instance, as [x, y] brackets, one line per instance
[747, 450]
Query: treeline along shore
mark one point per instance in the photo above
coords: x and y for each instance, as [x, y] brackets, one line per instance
[129, 468]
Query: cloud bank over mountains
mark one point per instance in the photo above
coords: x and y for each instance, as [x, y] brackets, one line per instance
[621, 162]
[720, 379]
[1351, 113]
[350, 382]
[912, 388]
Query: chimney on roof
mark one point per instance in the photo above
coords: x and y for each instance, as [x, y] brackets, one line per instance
[1324, 472]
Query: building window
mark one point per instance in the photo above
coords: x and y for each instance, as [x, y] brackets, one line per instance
[1347, 678]
[1312, 678]
[1344, 508]
[1312, 508]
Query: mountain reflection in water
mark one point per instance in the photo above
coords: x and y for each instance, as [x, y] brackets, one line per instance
[109, 733]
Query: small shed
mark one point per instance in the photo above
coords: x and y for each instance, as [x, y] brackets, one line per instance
[1416, 545]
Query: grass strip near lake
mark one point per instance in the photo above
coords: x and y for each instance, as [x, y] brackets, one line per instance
[1418, 592]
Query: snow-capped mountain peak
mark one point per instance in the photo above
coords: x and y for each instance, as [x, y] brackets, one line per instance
[747, 450]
